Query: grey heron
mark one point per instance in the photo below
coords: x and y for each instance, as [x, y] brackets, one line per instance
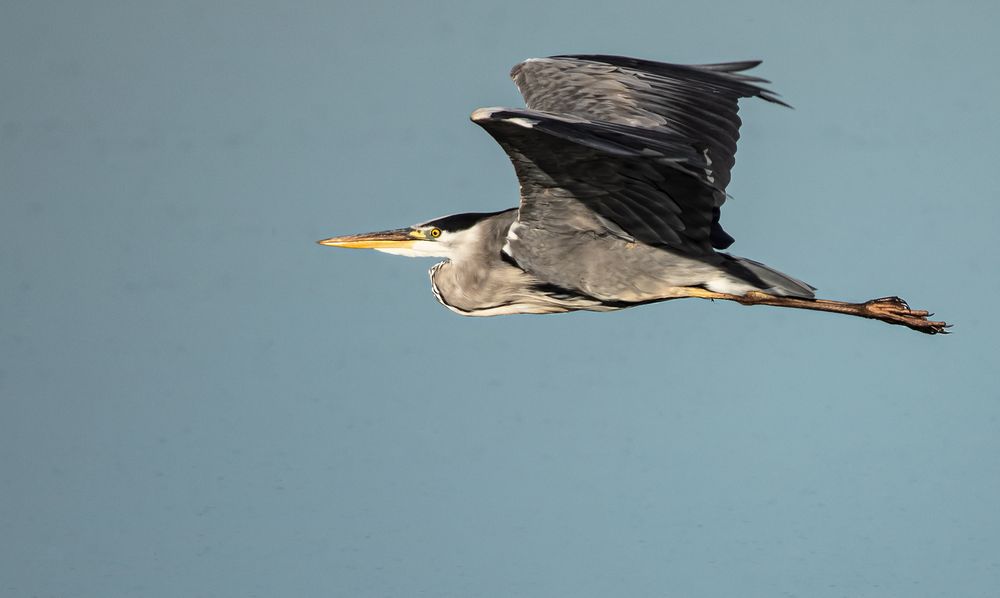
[623, 166]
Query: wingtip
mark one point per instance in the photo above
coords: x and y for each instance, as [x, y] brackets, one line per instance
[774, 98]
[731, 67]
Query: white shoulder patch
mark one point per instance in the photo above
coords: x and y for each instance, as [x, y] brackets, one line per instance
[527, 123]
[511, 236]
[484, 113]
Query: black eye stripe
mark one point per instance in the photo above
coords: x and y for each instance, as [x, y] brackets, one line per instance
[460, 222]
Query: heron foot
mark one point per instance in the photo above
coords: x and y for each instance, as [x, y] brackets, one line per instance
[894, 310]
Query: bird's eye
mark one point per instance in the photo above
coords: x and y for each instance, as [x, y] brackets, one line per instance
[435, 232]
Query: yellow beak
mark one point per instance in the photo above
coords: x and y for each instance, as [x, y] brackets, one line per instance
[401, 237]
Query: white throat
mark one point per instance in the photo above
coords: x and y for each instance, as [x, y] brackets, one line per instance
[450, 245]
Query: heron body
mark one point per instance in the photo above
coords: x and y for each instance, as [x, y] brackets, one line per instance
[592, 270]
[623, 166]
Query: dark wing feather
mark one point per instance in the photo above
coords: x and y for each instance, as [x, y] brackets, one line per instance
[650, 184]
[697, 102]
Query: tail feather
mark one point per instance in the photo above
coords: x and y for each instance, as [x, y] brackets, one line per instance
[768, 279]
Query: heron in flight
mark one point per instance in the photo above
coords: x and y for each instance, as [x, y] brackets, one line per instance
[623, 166]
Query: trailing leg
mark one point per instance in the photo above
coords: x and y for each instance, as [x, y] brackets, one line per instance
[891, 310]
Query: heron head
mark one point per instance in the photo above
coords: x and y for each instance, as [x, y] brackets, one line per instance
[443, 237]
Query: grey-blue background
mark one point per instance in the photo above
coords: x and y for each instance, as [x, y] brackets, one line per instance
[197, 400]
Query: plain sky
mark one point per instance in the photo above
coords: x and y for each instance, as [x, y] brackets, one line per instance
[197, 400]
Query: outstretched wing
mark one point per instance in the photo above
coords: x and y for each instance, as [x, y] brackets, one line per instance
[698, 103]
[646, 184]
[646, 145]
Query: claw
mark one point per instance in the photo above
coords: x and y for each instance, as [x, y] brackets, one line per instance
[895, 310]
[896, 301]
